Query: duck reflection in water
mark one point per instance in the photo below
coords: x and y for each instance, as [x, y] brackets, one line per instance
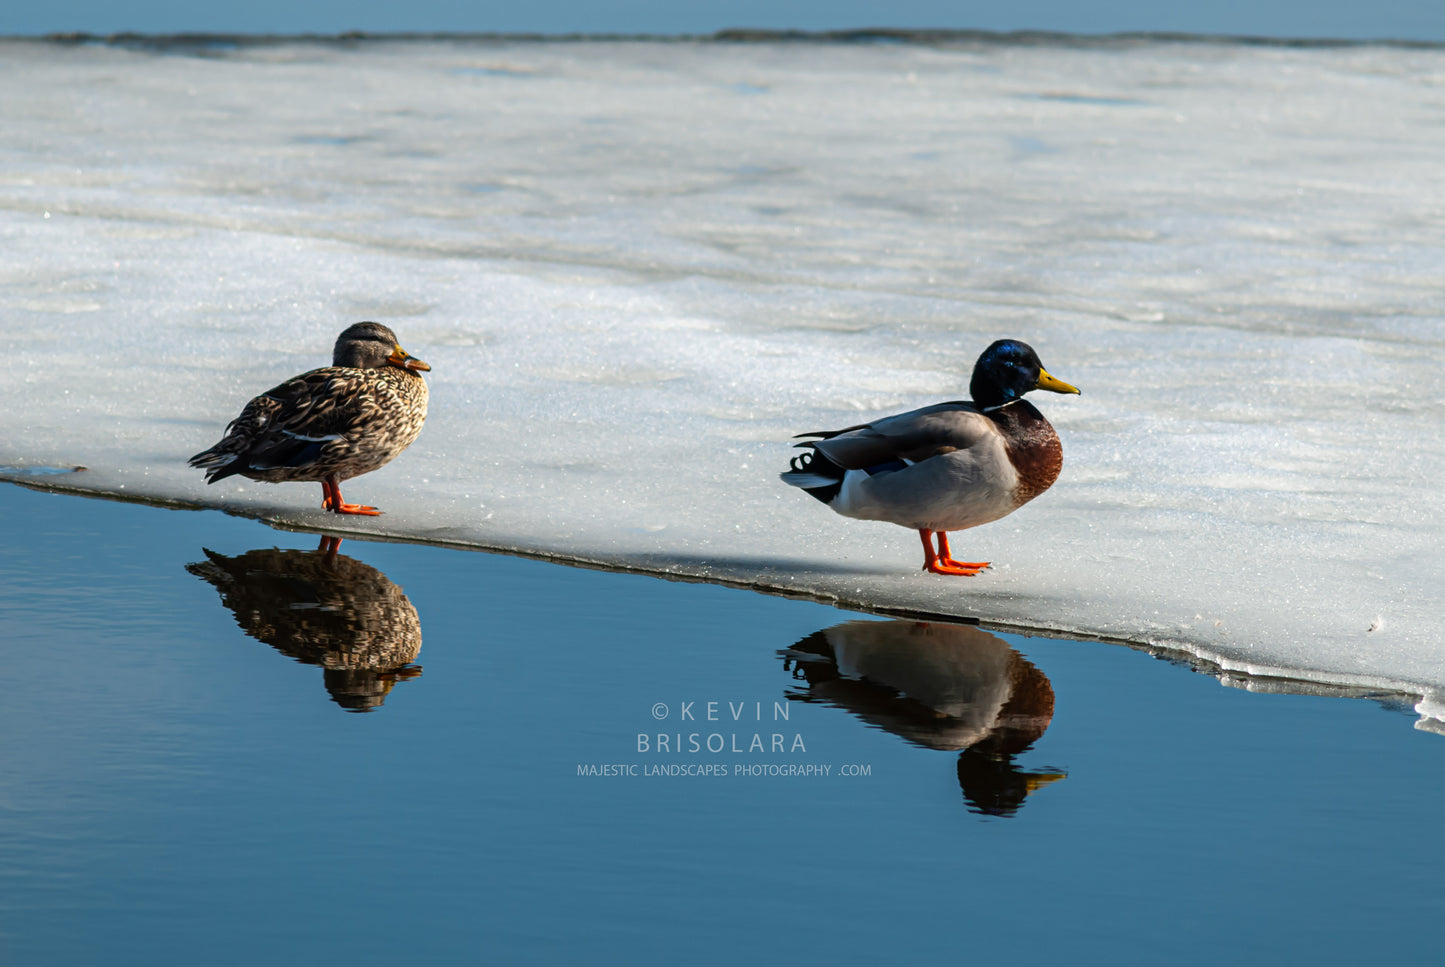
[323, 608]
[942, 686]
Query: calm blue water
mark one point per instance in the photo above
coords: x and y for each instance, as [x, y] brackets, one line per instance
[1399, 19]
[177, 791]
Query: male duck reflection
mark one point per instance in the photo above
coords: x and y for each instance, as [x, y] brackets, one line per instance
[942, 686]
[945, 467]
[323, 608]
[330, 424]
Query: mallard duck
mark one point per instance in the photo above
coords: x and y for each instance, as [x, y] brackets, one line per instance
[330, 424]
[323, 608]
[942, 686]
[945, 467]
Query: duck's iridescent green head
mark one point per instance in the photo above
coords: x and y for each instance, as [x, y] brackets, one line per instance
[1007, 370]
[370, 345]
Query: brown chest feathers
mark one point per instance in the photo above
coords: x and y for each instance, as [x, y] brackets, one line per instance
[1033, 448]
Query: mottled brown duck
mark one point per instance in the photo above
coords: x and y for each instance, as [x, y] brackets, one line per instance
[330, 424]
[323, 608]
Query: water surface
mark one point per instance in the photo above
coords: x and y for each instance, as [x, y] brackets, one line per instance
[443, 767]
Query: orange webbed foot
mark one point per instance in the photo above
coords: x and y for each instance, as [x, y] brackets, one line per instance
[332, 501]
[942, 567]
[941, 561]
[945, 557]
[359, 509]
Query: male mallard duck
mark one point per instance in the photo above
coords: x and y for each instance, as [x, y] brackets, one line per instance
[948, 466]
[330, 424]
[942, 686]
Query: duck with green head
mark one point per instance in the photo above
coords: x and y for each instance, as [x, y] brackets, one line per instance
[945, 467]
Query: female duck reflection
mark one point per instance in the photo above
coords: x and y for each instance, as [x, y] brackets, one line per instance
[323, 608]
[941, 686]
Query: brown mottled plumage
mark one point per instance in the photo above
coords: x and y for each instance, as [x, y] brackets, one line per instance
[330, 424]
[323, 608]
[948, 466]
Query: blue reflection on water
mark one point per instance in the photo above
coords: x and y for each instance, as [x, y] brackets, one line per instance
[176, 791]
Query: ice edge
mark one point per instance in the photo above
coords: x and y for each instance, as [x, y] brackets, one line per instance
[1426, 701]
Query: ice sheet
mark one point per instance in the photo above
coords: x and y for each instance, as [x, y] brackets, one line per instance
[639, 268]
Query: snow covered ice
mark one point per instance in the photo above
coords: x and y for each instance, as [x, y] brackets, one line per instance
[638, 268]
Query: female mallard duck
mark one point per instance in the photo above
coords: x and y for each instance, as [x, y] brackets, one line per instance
[330, 424]
[323, 608]
[948, 466]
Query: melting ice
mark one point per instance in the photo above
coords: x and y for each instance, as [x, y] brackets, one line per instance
[638, 269]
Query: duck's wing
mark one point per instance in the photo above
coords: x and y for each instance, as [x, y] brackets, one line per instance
[289, 424]
[906, 438]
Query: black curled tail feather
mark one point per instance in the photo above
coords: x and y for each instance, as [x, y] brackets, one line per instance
[221, 473]
[218, 462]
[816, 474]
